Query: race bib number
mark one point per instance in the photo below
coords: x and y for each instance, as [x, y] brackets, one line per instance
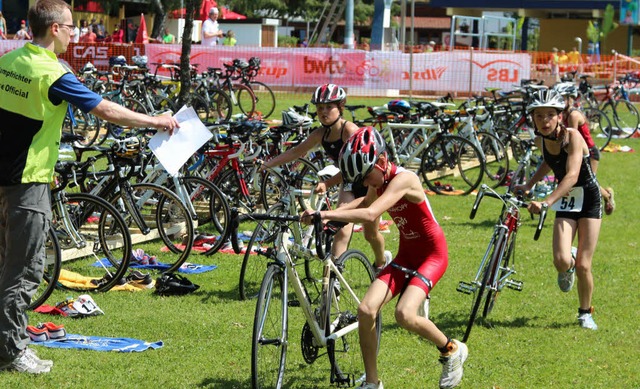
[572, 202]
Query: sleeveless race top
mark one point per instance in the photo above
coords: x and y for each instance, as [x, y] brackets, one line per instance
[416, 222]
[333, 148]
[558, 163]
[583, 129]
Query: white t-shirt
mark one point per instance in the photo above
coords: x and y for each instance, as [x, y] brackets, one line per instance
[210, 27]
[76, 36]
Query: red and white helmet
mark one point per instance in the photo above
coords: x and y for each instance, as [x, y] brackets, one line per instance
[360, 153]
[328, 93]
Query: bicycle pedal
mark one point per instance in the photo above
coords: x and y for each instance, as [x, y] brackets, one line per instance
[515, 285]
[293, 303]
[465, 287]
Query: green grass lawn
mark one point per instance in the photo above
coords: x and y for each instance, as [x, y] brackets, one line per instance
[532, 341]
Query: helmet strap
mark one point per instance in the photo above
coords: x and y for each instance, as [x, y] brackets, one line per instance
[331, 125]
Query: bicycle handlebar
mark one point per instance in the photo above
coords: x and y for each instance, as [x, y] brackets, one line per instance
[511, 199]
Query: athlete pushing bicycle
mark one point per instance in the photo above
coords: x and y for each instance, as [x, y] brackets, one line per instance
[421, 259]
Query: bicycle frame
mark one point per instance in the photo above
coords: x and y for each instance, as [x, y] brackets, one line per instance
[427, 131]
[495, 270]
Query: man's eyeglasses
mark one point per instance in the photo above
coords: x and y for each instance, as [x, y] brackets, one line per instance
[69, 26]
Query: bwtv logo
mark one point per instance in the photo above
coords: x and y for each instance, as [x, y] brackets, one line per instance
[427, 74]
[331, 66]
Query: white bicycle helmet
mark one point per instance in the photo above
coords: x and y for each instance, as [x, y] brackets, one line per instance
[127, 148]
[140, 60]
[567, 89]
[328, 93]
[360, 153]
[291, 119]
[546, 98]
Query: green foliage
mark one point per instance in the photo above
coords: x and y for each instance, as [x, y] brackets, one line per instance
[593, 32]
[599, 32]
[608, 21]
[287, 41]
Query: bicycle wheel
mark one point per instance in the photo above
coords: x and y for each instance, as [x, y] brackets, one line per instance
[626, 118]
[599, 126]
[232, 186]
[273, 186]
[201, 107]
[88, 228]
[452, 165]
[488, 272]
[255, 260]
[496, 158]
[52, 264]
[265, 99]
[347, 367]
[212, 210]
[162, 104]
[503, 272]
[270, 331]
[221, 106]
[168, 219]
[86, 125]
[246, 99]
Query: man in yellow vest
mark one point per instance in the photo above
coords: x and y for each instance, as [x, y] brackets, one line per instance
[35, 91]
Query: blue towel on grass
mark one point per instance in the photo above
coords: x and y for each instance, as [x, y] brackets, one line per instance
[187, 267]
[99, 343]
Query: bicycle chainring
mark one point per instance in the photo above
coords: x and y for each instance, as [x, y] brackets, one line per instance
[309, 351]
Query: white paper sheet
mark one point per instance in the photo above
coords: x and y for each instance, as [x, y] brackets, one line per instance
[173, 151]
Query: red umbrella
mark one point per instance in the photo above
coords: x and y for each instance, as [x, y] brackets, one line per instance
[206, 6]
[142, 36]
[228, 14]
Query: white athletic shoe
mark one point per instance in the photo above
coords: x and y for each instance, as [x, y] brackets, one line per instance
[452, 366]
[369, 385]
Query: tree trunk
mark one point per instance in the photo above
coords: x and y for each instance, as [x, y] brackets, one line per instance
[185, 74]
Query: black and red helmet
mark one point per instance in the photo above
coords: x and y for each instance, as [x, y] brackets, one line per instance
[360, 153]
[328, 93]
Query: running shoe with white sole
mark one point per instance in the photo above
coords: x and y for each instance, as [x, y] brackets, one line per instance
[452, 369]
[369, 385]
[567, 278]
[27, 362]
[45, 362]
[586, 320]
[37, 334]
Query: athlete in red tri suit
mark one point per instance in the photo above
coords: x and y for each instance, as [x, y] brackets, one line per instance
[422, 248]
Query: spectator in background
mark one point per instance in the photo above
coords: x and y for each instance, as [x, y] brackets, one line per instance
[168, 37]
[100, 30]
[563, 61]
[553, 62]
[230, 39]
[117, 36]
[76, 34]
[89, 37]
[430, 47]
[22, 33]
[210, 29]
[84, 28]
[132, 31]
[3, 27]
[575, 59]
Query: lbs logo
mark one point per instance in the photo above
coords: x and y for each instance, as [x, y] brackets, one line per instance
[498, 72]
